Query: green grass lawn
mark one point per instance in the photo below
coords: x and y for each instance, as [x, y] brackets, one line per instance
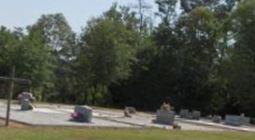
[115, 134]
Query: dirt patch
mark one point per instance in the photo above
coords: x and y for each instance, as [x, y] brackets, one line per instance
[12, 124]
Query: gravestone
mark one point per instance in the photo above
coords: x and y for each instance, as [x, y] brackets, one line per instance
[245, 120]
[236, 120]
[165, 117]
[184, 113]
[26, 105]
[216, 119]
[233, 120]
[130, 110]
[196, 115]
[25, 100]
[82, 114]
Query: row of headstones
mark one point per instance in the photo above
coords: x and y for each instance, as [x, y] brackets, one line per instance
[234, 120]
[190, 115]
[84, 114]
[81, 113]
[229, 119]
[163, 116]
[237, 120]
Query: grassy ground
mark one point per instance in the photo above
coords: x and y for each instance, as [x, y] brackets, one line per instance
[114, 134]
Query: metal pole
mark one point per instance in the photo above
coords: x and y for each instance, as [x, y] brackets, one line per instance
[10, 97]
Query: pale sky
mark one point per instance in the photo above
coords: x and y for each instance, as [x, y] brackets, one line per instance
[21, 13]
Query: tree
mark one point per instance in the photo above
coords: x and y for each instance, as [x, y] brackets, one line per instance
[28, 55]
[7, 41]
[108, 47]
[236, 71]
[167, 10]
[56, 34]
[198, 34]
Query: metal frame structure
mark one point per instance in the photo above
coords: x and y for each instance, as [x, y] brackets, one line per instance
[12, 81]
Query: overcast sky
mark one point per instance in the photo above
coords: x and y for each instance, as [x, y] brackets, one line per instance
[20, 13]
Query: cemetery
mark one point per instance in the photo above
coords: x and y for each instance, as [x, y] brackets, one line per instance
[127, 70]
[60, 115]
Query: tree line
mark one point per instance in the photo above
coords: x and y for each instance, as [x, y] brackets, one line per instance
[199, 56]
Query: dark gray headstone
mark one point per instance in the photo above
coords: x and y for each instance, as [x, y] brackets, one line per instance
[233, 120]
[165, 117]
[184, 113]
[25, 100]
[26, 105]
[85, 113]
[196, 115]
[130, 110]
[216, 119]
[245, 120]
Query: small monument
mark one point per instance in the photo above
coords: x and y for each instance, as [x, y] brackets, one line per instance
[131, 110]
[128, 111]
[245, 120]
[196, 115]
[236, 120]
[25, 100]
[165, 115]
[184, 113]
[216, 119]
[82, 114]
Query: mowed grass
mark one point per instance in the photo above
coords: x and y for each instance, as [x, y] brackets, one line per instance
[116, 134]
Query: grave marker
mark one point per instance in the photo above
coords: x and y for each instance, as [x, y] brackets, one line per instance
[82, 114]
[196, 115]
[236, 120]
[184, 113]
[25, 100]
[164, 115]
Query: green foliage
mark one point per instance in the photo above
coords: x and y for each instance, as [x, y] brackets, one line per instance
[197, 37]
[195, 65]
[237, 68]
[107, 49]
[166, 9]
[201, 58]
[28, 55]
[57, 36]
